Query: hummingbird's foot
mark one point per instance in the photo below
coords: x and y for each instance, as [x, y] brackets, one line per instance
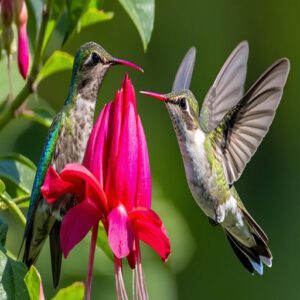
[213, 222]
[219, 214]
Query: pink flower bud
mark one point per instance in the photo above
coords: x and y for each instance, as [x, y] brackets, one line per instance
[23, 51]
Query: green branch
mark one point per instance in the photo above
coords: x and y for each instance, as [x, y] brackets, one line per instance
[9, 110]
[13, 208]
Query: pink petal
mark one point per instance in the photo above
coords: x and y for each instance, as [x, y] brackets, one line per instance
[23, 51]
[120, 233]
[54, 186]
[96, 156]
[126, 169]
[74, 179]
[129, 93]
[143, 195]
[78, 174]
[151, 230]
[113, 143]
[77, 223]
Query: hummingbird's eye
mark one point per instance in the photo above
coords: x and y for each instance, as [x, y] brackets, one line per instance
[182, 104]
[95, 58]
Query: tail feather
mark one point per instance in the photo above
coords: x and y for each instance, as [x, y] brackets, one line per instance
[35, 236]
[56, 253]
[252, 257]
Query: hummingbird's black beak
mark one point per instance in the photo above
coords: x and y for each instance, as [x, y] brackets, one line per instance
[117, 61]
[160, 97]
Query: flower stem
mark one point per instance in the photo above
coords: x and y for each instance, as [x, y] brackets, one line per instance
[13, 208]
[9, 61]
[88, 287]
[8, 112]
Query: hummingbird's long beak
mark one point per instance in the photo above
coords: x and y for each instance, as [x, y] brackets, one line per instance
[160, 97]
[117, 61]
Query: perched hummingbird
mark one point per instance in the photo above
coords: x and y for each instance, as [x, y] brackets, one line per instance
[66, 143]
[217, 142]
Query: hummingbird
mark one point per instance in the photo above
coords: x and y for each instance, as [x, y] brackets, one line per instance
[218, 141]
[66, 143]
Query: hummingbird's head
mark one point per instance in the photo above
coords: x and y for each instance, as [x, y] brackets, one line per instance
[183, 109]
[90, 66]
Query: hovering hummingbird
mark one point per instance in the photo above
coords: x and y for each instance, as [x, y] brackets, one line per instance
[66, 143]
[217, 142]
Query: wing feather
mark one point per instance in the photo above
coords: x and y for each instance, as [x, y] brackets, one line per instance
[185, 71]
[244, 127]
[227, 90]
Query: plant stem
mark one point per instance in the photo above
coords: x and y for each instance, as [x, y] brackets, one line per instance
[8, 112]
[13, 208]
[21, 199]
[31, 115]
[88, 288]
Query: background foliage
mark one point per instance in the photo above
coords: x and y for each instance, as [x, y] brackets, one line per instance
[202, 264]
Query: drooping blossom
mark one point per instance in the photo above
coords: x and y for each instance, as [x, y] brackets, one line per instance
[113, 186]
[21, 16]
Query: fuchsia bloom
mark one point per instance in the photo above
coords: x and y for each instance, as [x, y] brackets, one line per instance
[114, 186]
[23, 46]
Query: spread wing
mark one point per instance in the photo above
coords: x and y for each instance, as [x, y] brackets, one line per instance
[185, 71]
[227, 89]
[243, 128]
[44, 163]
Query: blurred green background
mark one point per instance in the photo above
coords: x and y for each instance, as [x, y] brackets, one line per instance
[202, 265]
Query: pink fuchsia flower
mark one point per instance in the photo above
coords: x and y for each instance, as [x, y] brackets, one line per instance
[113, 186]
[21, 16]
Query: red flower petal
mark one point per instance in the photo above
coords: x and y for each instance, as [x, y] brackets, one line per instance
[54, 186]
[143, 194]
[96, 154]
[77, 173]
[128, 91]
[120, 233]
[74, 179]
[126, 169]
[77, 223]
[151, 230]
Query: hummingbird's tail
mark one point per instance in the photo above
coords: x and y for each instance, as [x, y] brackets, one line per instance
[253, 252]
[39, 227]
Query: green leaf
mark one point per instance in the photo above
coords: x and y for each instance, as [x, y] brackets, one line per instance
[73, 292]
[93, 16]
[12, 273]
[142, 14]
[3, 232]
[90, 17]
[34, 19]
[17, 172]
[20, 158]
[76, 9]
[2, 186]
[102, 242]
[34, 283]
[57, 62]
[56, 28]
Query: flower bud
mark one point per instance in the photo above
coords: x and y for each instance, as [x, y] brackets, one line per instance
[20, 12]
[23, 51]
[6, 12]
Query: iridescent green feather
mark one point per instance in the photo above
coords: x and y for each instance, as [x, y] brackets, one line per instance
[45, 161]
